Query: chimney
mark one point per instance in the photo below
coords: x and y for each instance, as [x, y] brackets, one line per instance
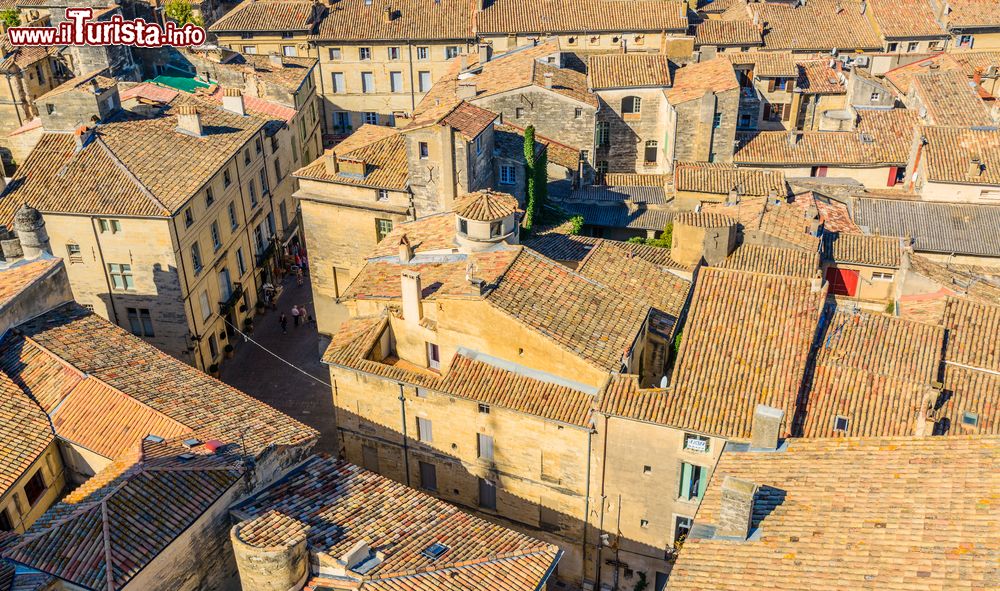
[232, 101]
[412, 310]
[10, 246]
[864, 6]
[387, 14]
[977, 76]
[812, 216]
[330, 163]
[793, 138]
[405, 250]
[188, 120]
[485, 52]
[817, 283]
[81, 137]
[548, 80]
[766, 427]
[466, 91]
[357, 554]
[975, 167]
[276, 60]
[30, 230]
[463, 62]
[736, 509]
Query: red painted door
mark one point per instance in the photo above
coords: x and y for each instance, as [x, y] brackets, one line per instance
[842, 281]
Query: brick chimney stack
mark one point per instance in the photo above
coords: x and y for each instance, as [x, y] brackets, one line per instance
[736, 510]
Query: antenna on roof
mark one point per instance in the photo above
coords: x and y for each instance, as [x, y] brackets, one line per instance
[470, 271]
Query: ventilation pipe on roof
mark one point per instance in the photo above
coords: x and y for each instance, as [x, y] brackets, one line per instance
[766, 427]
[736, 508]
[387, 14]
[412, 293]
[548, 80]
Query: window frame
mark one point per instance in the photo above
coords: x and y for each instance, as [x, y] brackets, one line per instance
[122, 275]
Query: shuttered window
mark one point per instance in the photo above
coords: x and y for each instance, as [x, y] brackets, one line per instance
[485, 447]
[694, 480]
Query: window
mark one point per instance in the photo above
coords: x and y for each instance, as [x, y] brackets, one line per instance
[631, 105]
[650, 152]
[881, 276]
[694, 479]
[428, 476]
[216, 237]
[252, 190]
[682, 527]
[382, 228]
[364, 53]
[644, 523]
[840, 424]
[602, 135]
[225, 284]
[382, 195]
[423, 53]
[694, 442]
[487, 495]
[206, 307]
[50, 108]
[395, 82]
[188, 218]
[270, 223]
[227, 179]
[5, 522]
[241, 261]
[421, 392]
[258, 237]
[507, 175]
[263, 183]
[210, 195]
[484, 409]
[965, 41]
[258, 146]
[334, 54]
[338, 82]
[717, 121]
[425, 431]
[463, 227]
[479, 144]
[912, 47]
[393, 53]
[277, 169]
[35, 487]
[367, 82]
[289, 50]
[121, 276]
[233, 221]
[935, 46]
[213, 346]
[451, 52]
[433, 356]
[601, 167]
[196, 258]
[424, 151]
[876, 96]
[518, 112]
[140, 322]
[425, 81]
[371, 118]
[496, 229]
[341, 120]
[485, 447]
[577, 113]
[73, 252]
[891, 47]
[104, 225]
[970, 418]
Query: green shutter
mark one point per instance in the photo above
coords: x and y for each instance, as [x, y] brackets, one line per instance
[702, 481]
[685, 492]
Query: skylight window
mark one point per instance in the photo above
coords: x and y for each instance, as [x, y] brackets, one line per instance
[970, 418]
[435, 550]
[840, 424]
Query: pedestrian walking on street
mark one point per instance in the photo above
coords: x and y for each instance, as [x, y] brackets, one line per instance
[295, 315]
[306, 316]
[283, 320]
[298, 276]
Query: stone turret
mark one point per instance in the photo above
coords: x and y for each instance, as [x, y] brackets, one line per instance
[271, 553]
[29, 227]
[485, 218]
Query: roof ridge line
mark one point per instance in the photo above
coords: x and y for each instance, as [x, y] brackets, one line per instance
[106, 535]
[121, 166]
[489, 558]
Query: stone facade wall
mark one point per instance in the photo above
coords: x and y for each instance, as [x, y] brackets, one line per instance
[553, 115]
[19, 512]
[630, 132]
[696, 139]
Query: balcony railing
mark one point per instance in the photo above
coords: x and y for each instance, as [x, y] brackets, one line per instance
[232, 300]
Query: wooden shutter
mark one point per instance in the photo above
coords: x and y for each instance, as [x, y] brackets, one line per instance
[685, 491]
[485, 447]
[767, 112]
[786, 112]
[770, 85]
[892, 177]
[702, 481]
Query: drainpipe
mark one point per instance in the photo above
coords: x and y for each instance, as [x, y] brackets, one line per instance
[406, 451]
[586, 505]
[104, 268]
[182, 276]
[604, 499]
[413, 89]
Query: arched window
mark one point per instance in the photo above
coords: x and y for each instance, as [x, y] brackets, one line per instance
[631, 105]
[650, 156]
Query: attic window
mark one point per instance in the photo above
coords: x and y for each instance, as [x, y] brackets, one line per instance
[186, 457]
[434, 551]
[484, 409]
[189, 443]
[840, 424]
[154, 438]
[970, 418]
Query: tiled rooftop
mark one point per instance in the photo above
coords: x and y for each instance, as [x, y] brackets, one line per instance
[14, 279]
[950, 150]
[342, 504]
[817, 77]
[926, 520]
[268, 15]
[412, 20]
[586, 17]
[382, 149]
[769, 64]
[773, 260]
[784, 221]
[628, 70]
[486, 205]
[819, 25]
[694, 80]
[950, 99]
[905, 19]
[863, 249]
[24, 433]
[727, 33]
[721, 178]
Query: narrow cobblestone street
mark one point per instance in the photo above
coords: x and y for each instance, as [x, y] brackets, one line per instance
[258, 373]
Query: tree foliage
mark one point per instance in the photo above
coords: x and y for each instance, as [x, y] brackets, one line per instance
[664, 241]
[530, 177]
[180, 11]
[10, 17]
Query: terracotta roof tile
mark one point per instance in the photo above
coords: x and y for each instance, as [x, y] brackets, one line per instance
[694, 80]
[950, 150]
[704, 219]
[785, 222]
[268, 15]
[637, 278]
[817, 77]
[560, 246]
[863, 249]
[905, 19]
[972, 13]
[972, 334]
[819, 25]
[758, 258]
[965, 62]
[834, 215]
[950, 99]
[486, 205]
[769, 64]
[15, 278]
[727, 33]
[24, 433]
[628, 70]
[970, 391]
[589, 16]
[927, 521]
[382, 149]
[342, 504]
[413, 20]
[721, 178]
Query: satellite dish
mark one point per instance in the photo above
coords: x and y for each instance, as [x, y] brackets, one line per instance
[663, 382]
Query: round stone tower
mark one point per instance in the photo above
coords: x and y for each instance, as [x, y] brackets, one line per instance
[30, 230]
[271, 553]
[485, 218]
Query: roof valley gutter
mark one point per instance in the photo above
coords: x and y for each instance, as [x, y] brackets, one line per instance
[551, 570]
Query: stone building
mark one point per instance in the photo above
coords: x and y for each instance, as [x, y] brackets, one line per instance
[197, 180]
[955, 164]
[695, 183]
[768, 84]
[269, 27]
[632, 117]
[702, 107]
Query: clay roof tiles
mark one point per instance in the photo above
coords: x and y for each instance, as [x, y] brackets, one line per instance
[905, 19]
[863, 249]
[589, 16]
[773, 260]
[382, 149]
[24, 433]
[694, 80]
[486, 205]
[636, 277]
[341, 504]
[950, 99]
[267, 15]
[726, 33]
[769, 64]
[972, 13]
[628, 70]
[926, 521]
[412, 20]
[817, 77]
[950, 150]
[721, 178]
[818, 25]
[14, 279]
